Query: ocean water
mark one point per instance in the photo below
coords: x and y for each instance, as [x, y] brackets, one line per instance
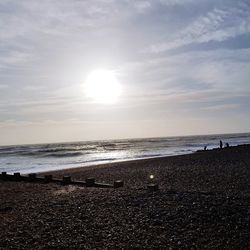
[45, 157]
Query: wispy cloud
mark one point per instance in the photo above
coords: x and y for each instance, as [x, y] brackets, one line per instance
[222, 107]
[217, 25]
[14, 58]
[3, 86]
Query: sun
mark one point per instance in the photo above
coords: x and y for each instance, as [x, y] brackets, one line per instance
[102, 86]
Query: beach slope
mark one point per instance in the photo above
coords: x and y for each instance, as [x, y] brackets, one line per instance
[203, 202]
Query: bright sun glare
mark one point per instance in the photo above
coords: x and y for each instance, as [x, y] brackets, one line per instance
[102, 86]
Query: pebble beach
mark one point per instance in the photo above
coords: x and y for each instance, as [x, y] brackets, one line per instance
[203, 202]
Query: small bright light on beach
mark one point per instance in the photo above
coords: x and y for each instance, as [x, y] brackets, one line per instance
[151, 177]
[102, 86]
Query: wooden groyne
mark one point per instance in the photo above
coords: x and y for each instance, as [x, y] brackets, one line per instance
[66, 180]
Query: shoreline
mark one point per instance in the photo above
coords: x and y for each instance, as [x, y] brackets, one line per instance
[126, 161]
[203, 202]
[142, 160]
[52, 157]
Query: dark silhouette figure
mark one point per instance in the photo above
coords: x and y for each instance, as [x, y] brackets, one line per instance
[227, 145]
[221, 144]
[205, 148]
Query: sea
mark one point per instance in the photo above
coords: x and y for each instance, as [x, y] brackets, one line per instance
[54, 156]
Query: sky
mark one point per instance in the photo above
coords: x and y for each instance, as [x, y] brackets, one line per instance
[183, 67]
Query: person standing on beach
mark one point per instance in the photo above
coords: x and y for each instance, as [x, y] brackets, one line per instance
[221, 144]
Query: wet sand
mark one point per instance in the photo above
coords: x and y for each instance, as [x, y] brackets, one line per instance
[203, 202]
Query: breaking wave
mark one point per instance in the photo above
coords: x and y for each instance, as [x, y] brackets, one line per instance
[41, 157]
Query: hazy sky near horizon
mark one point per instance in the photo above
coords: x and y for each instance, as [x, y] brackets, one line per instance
[184, 68]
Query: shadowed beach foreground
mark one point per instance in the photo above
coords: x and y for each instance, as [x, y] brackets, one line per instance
[203, 202]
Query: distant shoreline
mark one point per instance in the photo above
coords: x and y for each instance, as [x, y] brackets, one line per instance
[121, 139]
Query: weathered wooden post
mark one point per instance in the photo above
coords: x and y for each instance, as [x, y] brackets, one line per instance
[32, 177]
[48, 178]
[118, 183]
[17, 177]
[4, 176]
[66, 180]
[90, 182]
[152, 186]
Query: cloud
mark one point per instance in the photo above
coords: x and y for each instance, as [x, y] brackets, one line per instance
[14, 58]
[222, 107]
[217, 25]
[3, 86]
[176, 2]
[142, 6]
[189, 81]
[218, 68]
